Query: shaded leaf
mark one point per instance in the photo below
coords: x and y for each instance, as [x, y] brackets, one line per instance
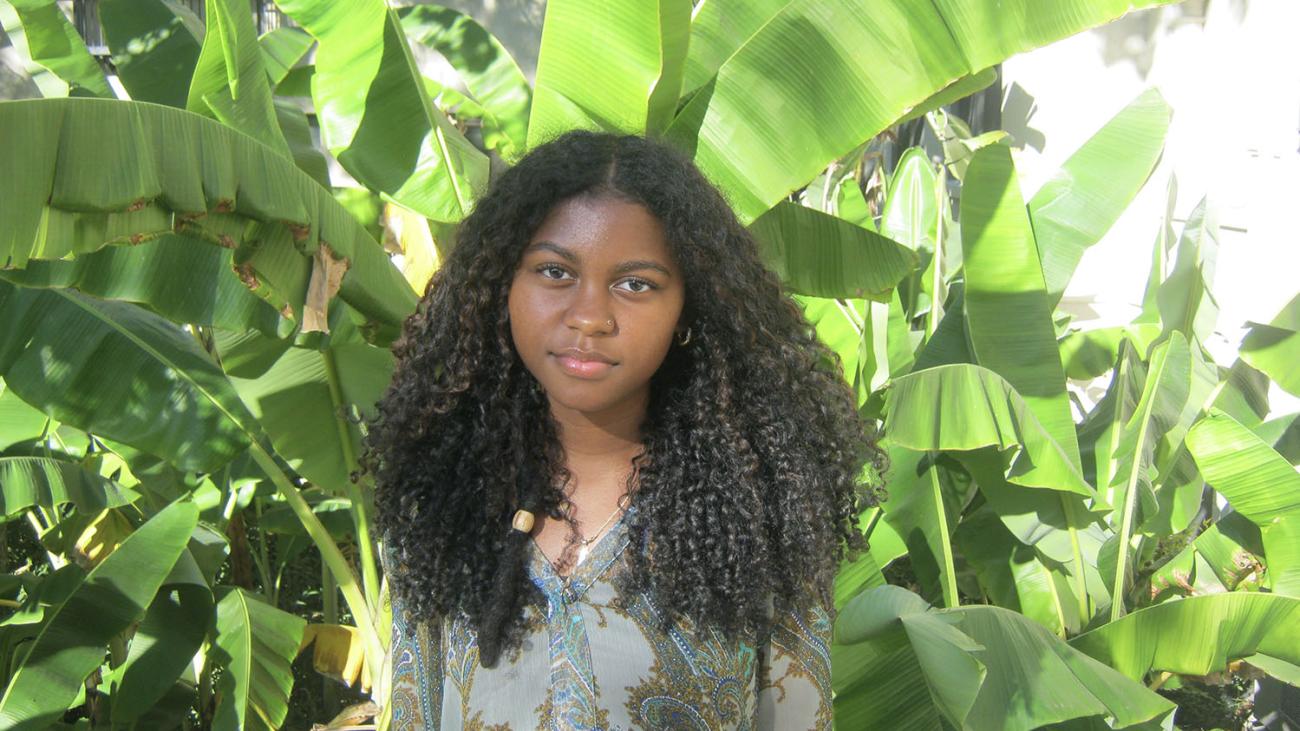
[30, 481]
[155, 45]
[397, 142]
[820, 255]
[254, 644]
[72, 641]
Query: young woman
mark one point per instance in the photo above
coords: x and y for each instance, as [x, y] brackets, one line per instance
[616, 470]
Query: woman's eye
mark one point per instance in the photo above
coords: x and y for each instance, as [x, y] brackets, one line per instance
[550, 268]
[644, 285]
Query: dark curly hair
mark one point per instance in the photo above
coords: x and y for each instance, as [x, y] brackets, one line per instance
[751, 479]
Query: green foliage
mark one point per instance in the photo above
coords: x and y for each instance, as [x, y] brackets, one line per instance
[192, 325]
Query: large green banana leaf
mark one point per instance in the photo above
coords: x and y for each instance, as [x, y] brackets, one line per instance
[1260, 485]
[490, 74]
[164, 169]
[1008, 308]
[72, 641]
[763, 126]
[1275, 348]
[180, 277]
[962, 407]
[395, 142]
[609, 64]
[49, 482]
[1010, 328]
[906, 666]
[114, 369]
[718, 28]
[821, 255]
[230, 82]
[155, 46]
[1074, 209]
[54, 43]
[1198, 635]
[233, 84]
[164, 645]
[254, 644]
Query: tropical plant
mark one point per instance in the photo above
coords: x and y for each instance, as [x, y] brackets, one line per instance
[1150, 531]
[192, 323]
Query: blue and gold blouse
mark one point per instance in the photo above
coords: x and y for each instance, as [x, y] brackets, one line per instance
[594, 659]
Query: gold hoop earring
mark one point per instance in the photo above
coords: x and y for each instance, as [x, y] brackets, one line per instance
[687, 339]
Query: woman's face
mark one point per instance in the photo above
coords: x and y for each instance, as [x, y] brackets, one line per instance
[597, 276]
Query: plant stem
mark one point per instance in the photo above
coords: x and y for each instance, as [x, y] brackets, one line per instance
[1126, 519]
[948, 567]
[360, 508]
[1080, 581]
[329, 596]
[936, 302]
[330, 554]
[263, 559]
[851, 315]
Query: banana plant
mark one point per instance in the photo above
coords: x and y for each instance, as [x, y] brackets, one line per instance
[179, 285]
[1156, 515]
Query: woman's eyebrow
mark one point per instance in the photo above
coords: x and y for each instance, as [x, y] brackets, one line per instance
[622, 268]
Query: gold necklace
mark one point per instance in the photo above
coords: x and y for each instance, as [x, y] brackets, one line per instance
[585, 543]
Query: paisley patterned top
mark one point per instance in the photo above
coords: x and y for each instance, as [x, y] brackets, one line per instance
[598, 660]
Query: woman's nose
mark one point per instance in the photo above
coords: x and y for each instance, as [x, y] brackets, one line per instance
[590, 311]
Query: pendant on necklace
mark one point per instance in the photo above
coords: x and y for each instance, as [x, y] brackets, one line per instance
[582, 552]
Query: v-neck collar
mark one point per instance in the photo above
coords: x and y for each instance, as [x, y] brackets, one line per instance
[571, 588]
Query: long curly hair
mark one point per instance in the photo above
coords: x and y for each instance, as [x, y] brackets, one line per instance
[751, 479]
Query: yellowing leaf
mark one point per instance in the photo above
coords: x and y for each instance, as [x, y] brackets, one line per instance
[338, 653]
[102, 537]
[408, 233]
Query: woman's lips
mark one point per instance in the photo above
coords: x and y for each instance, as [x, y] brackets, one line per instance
[583, 368]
